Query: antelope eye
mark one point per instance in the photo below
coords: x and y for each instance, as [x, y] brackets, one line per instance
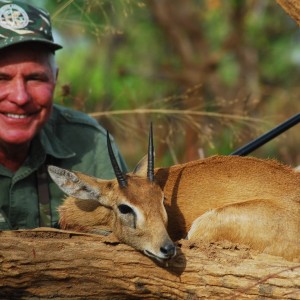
[125, 209]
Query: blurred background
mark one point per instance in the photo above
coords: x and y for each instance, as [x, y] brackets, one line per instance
[211, 75]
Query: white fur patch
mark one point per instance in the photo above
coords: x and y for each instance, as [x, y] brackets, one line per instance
[197, 222]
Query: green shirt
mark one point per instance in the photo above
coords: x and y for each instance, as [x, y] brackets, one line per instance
[71, 140]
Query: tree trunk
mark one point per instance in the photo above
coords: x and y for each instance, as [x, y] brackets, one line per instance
[292, 7]
[54, 264]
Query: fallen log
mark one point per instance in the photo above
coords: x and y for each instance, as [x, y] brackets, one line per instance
[56, 264]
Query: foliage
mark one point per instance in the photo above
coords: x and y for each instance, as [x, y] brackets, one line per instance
[234, 62]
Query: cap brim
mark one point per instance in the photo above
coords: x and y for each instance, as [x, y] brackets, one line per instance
[20, 40]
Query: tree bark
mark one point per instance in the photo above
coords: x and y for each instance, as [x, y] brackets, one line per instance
[292, 7]
[54, 264]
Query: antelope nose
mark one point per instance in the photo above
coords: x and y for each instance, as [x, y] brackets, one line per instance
[168, 250]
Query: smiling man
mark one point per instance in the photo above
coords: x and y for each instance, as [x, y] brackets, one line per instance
[27, 82]
[33, 131]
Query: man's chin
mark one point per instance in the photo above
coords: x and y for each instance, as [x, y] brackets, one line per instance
[17, 139]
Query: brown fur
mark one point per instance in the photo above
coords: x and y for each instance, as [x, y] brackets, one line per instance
[240, 199]
[135, 214]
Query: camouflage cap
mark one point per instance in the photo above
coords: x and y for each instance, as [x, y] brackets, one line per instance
[20, 22]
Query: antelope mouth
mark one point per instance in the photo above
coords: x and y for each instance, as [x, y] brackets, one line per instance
[159, 258]
[150, 254]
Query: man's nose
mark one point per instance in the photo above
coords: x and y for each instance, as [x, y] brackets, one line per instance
[18, 92]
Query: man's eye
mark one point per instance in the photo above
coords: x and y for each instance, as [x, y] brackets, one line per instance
[4, 78]
[37, 77]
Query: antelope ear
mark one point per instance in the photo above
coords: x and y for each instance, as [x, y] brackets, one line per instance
[141, 167]
[72, 185]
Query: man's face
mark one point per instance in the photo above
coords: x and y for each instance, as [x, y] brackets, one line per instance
[27, 82]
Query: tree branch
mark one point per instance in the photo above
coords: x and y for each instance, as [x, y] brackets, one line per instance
[292, 7]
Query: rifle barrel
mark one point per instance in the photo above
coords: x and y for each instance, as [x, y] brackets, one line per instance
[261, 140]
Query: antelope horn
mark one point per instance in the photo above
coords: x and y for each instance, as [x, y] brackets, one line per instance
[119, 175]
[150, 170]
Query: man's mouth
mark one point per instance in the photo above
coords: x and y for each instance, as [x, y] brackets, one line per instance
[16, 116]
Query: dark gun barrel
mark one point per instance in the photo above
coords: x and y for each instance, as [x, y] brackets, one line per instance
[261, 140]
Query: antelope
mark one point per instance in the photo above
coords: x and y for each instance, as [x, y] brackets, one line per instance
[244, 200]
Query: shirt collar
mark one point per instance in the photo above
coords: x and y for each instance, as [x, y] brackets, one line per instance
[53, 145]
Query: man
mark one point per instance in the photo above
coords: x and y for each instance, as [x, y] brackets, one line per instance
[34, 132]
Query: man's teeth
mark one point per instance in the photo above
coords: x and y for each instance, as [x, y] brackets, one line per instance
[14, 116]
